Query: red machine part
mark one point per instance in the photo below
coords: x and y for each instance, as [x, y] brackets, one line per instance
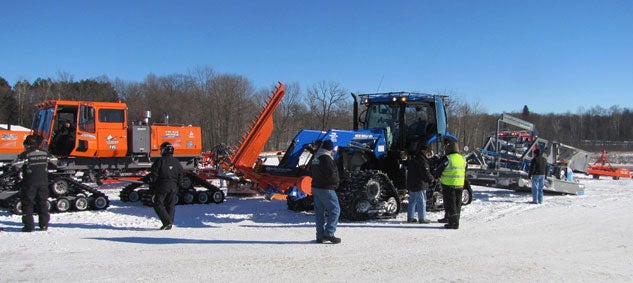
[602, 167]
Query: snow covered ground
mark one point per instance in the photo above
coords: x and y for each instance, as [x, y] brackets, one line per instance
[502, 238]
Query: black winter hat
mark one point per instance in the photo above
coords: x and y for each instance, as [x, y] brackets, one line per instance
[327, 145]
[30, 140]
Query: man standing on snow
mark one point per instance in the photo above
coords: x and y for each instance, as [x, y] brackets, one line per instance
[538, 168]
[33, 163]
[325, 181]
[418, 180]
[165, 179]
[453, 175]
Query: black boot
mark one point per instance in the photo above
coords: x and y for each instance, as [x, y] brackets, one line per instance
[451, 223]
[27, 220]
[456, 221]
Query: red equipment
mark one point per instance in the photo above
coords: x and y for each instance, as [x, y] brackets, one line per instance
[605, 169]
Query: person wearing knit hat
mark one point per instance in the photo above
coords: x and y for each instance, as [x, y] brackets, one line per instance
[327, 145]
[538, 168]
[419, 179]
[325, 181]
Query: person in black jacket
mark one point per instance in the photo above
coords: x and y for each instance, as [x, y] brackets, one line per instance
[418, 180]
[325, 181]
[165, 178]
[538, 169]
[33, 163]
[63, 141]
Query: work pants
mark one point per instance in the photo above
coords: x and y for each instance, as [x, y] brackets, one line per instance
[417, 203]
[538, 182]
[326, 211]
[165, 205]
[34, 200]
[452, 203]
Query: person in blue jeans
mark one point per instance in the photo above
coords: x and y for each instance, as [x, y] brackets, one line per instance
[325, 181]
[538, 168]
[418, 180]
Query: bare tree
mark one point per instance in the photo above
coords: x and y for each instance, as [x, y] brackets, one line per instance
[325, 98]
[286, 116]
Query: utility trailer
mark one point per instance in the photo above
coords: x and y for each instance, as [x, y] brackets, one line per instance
[504, 160]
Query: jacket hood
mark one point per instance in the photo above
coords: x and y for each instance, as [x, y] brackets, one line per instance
[322, 151]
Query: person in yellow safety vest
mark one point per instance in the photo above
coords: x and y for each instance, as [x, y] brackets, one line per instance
[452, 167]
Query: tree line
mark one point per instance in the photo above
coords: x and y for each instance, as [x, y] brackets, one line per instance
[224, 105]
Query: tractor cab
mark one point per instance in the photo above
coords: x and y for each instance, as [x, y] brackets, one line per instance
[82, 128]
[407, 118]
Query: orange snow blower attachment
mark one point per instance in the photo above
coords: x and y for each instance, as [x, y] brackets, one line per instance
[605, 169]
[245, 160]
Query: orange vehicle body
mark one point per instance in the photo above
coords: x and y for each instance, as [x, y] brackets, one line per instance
[11, 142]
[102, 129]
[187, 140]
[95, 136]
[103, 138]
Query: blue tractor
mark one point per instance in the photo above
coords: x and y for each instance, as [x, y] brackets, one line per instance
[371, 157]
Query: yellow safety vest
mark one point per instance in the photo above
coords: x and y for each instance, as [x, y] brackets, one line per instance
[455, 172]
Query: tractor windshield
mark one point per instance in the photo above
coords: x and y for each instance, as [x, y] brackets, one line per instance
[42, 122]
[382, 115]
[419, 119]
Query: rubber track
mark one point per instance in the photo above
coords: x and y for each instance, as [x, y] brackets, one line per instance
[146, 195]
[75, 188]
[199, 181]
[79, 187]
[125, 192]
[350, 196]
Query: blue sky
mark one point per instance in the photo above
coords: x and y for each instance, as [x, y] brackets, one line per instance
[554, 56]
